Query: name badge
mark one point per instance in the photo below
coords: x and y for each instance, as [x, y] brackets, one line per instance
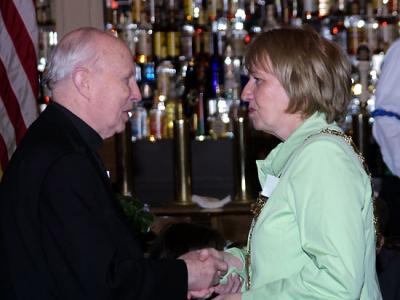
[270, 185]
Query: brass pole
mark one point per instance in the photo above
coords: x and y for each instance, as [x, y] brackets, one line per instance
[124, 161]
[240, 143]
[183, 180]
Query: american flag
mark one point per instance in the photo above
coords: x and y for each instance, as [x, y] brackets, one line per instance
[18, 73]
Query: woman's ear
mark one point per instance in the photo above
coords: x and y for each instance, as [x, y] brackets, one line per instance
[81, 80]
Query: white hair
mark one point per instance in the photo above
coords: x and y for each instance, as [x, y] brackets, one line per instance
[75, 49]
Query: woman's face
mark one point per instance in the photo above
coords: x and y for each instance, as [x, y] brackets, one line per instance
[268, 102]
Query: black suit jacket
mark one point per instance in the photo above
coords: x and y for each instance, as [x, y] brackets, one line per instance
[62, 233]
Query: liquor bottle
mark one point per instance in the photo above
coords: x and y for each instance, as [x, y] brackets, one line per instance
[270, 21]
[356, 34]
[218, 120]
[44, 14]
[353, 8]
[232, 75]
[144, 60]
[190, 96]
[361, 125]
[387, 31]
[338, 28]
[157, 118]
[113, 26]
[386, 8]
[201, 66]
[136, 11]
[173, 30]
[311, 14]
[170, 115]
[213, 122]
[233, 7]
[166, 87]
[200, 117]
[187, 37]
[188, 8]
[215, 71]
[285, 13]
[212, 10]
[151, 9]
[138, 121]
[166, 74]
[159, 34]
[238, 38]
[296, 12]
[147, 82]
[255, 14]
[44, 93]
[371, 31]
[129, 32]
[144, 46]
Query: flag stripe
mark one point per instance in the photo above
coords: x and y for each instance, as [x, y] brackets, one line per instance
[20, 37]
[25, 9]
[19, 82]
[18, 78]
[3, 155]
[11, 104]
[7, 131]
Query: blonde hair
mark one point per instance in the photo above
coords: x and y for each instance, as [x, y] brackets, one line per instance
[314, 71]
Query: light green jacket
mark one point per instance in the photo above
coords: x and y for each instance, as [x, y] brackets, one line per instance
[314, 238]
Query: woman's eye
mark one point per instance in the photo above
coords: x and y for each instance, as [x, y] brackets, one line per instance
[257, 80]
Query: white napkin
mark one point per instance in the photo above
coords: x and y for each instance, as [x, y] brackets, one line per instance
[210, 202]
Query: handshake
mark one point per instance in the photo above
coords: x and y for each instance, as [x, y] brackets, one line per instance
[206, 268]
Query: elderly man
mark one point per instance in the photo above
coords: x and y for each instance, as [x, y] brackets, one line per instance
[62, 232]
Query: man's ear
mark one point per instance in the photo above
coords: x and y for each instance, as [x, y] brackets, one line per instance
[80, 78]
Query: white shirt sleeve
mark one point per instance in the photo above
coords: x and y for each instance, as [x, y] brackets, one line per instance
[386, 130]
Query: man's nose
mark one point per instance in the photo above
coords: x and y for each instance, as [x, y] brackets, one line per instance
[136, 96]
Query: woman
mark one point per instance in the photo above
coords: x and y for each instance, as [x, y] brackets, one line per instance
[314, 237]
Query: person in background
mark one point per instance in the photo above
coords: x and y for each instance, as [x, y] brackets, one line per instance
[63, 234]
[386, 126]
[386, 131]
[313, 234]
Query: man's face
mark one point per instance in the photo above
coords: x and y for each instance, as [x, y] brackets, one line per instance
[114, 88]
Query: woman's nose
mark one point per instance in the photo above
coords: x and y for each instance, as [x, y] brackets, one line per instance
[247, 92]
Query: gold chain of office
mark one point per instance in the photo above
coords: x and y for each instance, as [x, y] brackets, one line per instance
[261, 200]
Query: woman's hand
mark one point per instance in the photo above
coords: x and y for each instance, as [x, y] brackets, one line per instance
[237, 296]
[233, 285]
[232, 261]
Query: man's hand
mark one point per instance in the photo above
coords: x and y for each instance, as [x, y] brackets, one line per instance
[203, 294]
[205, 267]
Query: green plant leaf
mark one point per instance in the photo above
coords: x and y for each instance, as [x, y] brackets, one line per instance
[137, 213]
